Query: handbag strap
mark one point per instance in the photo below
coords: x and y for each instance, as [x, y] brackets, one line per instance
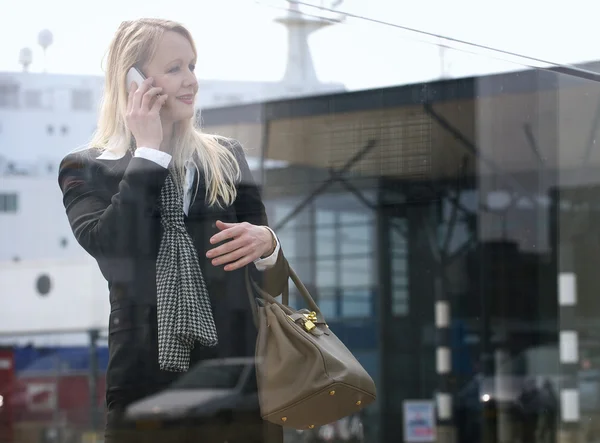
[252, 286]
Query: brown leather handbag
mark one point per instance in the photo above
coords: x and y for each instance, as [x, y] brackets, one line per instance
[306, 377]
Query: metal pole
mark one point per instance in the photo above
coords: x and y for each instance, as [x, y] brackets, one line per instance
[93, 379]
[569, 431]
[445, 429]
[385, 421]
[504, 427]
[266, 126]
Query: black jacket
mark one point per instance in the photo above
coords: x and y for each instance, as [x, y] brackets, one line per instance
[112, 209]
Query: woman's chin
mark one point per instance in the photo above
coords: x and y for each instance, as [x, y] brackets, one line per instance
[183, 112]
[178, 116]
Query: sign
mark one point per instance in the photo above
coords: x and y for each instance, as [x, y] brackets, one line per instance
[419, 421]
[41, 396]
[5, 363]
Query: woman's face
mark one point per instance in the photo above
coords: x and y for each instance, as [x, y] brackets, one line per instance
[173, 70]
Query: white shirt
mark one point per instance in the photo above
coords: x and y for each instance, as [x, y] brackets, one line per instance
[163, 159]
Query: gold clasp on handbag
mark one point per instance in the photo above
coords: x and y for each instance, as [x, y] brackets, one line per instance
[311, 319]
[312, 316]
[309, 325]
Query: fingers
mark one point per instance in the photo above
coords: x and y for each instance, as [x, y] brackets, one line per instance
[132, 89]
[237, 254]
[140, 91]
[242, 249]
[160, 100]
[226, 247]
[222, 225]
[240, 263]
[234, 230]
[148, 98]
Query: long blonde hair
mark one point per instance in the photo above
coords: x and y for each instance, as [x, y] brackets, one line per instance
[135, 43]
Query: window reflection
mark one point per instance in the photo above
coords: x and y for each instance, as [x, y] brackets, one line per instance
[479, 194]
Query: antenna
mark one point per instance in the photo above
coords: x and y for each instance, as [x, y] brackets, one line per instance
[25, 58]
[45, 39]
[337, 17]
[300, 71]
[444, 63]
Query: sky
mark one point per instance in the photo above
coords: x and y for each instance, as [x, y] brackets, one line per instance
[238, 39]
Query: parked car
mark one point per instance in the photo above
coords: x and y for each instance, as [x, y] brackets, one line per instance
[217, 393]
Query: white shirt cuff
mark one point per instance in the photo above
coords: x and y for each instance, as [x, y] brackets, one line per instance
[262, 264]
[159, 157]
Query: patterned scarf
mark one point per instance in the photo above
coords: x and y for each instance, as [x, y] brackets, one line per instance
[183, 305]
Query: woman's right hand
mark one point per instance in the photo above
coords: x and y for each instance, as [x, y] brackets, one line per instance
[143, 118]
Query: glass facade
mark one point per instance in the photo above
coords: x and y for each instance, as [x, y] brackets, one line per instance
[449, 231]
[440, 225]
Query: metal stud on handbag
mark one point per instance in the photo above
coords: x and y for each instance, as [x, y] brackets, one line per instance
[306, 376]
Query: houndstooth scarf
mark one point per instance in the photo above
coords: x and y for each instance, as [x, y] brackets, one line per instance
[183, 305]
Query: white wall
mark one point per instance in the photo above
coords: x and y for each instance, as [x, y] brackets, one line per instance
[36, 230]
[77, 300]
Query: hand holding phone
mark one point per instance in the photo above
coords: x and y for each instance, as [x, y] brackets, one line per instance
[143, 109]
[135, 75]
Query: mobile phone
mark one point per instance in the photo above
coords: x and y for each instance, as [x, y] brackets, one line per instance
[135, 75]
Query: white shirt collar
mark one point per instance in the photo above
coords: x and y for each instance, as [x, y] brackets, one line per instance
[109, 155]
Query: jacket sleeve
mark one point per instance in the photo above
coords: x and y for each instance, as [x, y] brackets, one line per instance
[249, 207]
[119, 227]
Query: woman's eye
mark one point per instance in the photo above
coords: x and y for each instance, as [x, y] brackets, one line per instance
[192, 68]
[175, 69]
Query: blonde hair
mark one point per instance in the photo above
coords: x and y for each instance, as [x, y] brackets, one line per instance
[134, 44]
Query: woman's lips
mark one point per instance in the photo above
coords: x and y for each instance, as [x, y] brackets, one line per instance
[187, 99]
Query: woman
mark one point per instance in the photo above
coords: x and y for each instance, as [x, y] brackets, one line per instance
[173, 219]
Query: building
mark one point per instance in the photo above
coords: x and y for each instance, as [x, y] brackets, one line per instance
[433, 222]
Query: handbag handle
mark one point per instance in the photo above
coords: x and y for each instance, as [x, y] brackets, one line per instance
[251, 284]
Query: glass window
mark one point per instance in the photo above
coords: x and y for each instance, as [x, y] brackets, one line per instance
[287, 240]
[328, 303]
[9, 95]
[326, 241]
[82, 100]
[326, 273]
[356, 217]
[399, 263]
[356, 239]
[399, 300]
[282, 210]
[400, 277]
[356, 303]
[357, 271]
[9, 202]
[325, 217]
[33, 98]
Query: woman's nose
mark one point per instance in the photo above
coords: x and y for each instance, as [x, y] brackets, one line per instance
[191, 79]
